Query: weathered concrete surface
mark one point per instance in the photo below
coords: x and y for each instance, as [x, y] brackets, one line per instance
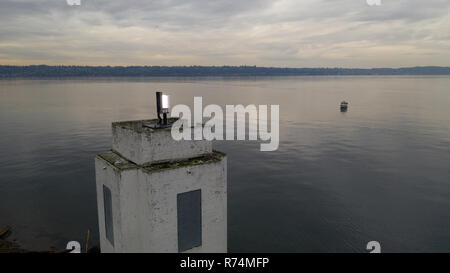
[113, 171]
[144, 201]
[139, 143]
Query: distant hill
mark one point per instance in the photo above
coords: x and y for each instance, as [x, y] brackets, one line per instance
[42, 71]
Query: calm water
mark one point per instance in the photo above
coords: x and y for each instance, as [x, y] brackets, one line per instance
[380, 172]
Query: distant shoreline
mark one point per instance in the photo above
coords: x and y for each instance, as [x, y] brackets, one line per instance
[45, 71]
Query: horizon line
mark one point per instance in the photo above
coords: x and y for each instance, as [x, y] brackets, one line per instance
[253, 66]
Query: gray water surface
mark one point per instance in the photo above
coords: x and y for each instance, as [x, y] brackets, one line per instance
[380, 171]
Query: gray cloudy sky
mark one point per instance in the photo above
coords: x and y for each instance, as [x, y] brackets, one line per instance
[302, 33]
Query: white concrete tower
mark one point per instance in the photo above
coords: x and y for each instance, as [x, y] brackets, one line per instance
[155, 194]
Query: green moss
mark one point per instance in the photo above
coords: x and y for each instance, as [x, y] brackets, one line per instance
[117, 161]
[219, 152]
[214, 157]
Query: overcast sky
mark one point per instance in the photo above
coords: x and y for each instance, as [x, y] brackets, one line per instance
[302, 33]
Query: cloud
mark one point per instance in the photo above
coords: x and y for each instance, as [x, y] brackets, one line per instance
[292, 33]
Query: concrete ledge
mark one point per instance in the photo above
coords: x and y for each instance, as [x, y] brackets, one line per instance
[119, 163]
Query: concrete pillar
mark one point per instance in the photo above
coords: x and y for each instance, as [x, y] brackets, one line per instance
[155, 194]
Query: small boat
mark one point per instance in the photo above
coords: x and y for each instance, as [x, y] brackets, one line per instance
[344, 105]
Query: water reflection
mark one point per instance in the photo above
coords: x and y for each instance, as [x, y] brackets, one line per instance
[377, 172]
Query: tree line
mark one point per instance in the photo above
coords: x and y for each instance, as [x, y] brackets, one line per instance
[39, 71]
